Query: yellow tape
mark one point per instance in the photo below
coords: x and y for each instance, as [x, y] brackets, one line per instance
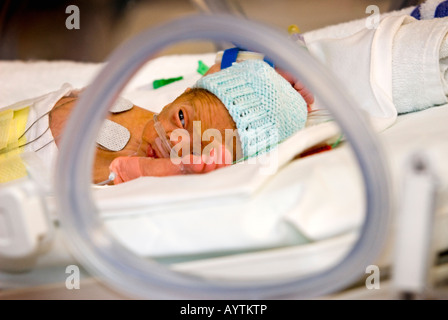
[5, 123]
[12, 127]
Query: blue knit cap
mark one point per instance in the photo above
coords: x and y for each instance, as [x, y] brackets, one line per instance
[264, 106]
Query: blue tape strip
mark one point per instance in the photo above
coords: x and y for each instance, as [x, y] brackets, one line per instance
[416, 13]
[441, 10]
[229, 56]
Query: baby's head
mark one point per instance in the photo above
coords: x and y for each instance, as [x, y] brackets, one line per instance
[247, 107]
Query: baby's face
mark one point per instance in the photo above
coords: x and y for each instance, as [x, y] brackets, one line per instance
[195, 108]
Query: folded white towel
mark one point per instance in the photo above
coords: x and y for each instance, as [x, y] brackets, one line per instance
[444, 64]
[419, 65]
[362, 62]
[397, 68]
[346, 29]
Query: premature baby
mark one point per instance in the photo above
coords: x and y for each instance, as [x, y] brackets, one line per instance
[237, 112]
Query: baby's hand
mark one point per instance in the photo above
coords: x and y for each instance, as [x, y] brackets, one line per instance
[129, 168]
[125, 169]
[300, 88]
[207, 163]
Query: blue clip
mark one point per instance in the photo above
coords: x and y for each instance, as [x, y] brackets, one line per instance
[229, 56]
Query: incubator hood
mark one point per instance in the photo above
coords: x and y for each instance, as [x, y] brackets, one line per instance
[105, 258]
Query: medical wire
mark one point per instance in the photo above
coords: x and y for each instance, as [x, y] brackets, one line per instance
[111, 176]
[42, 134]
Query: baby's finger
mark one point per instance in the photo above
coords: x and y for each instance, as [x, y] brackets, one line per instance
[209, 167]
[224, 156]
[288, 77]
[118, 179]
[192, 164]
[198, 164]
[209, 161]
[113, 168]
[304, 92]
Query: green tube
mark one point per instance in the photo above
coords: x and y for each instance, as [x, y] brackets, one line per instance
[163, 82]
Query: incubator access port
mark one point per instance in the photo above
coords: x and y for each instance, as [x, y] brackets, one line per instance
[25, 231]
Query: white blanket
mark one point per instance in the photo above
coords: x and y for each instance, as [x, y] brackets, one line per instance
[395, 68]
[239, 207]
[320, 196]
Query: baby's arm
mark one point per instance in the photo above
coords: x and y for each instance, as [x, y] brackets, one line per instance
[129, 168]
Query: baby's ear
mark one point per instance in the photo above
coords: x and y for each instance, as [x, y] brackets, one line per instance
[186, 90]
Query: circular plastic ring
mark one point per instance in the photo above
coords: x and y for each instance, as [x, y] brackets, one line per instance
[104, 257]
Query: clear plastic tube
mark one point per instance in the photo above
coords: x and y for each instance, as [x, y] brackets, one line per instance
[105, 258]
[165, 143]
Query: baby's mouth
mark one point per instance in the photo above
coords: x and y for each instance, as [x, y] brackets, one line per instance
[150, 152]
